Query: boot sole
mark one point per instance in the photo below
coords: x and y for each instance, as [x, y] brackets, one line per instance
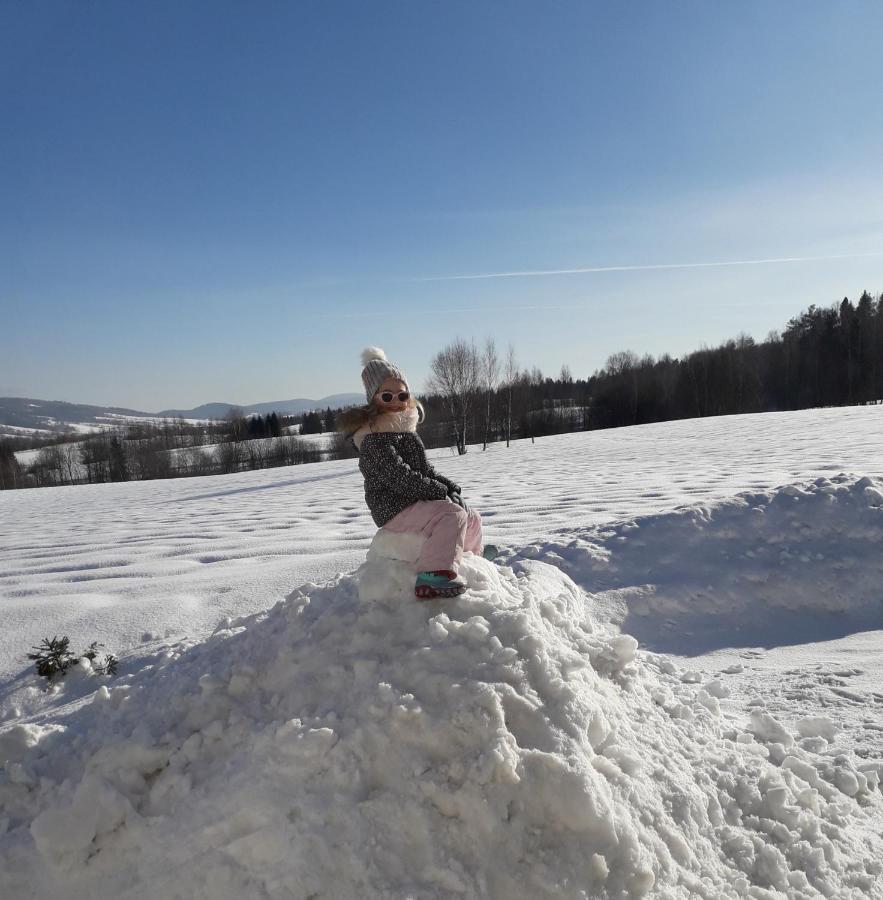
[425, 592]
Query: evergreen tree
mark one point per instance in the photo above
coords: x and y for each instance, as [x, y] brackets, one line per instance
[866, 361]
[312, 423]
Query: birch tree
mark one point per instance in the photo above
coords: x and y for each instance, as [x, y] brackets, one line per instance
[510, 376]
[454, 374]
[490, 375]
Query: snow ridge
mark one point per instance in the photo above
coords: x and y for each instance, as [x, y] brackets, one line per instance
[797, 563]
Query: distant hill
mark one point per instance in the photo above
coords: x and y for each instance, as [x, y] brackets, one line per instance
[284, 407]
[24, 415]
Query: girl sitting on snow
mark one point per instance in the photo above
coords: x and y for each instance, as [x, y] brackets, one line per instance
[402, 489]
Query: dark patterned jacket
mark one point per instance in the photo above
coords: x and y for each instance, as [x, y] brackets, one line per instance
[397, 474]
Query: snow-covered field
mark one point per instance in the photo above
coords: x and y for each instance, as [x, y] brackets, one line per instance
[108, 422]
[322, 441]
[319, 442]
[510, 743]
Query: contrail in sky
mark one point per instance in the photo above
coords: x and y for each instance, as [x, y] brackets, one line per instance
[434, 311]
[533, 273]
[508, 308]
[430, 311]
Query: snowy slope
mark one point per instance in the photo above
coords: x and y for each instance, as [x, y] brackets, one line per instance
[170, 558]
[511, 743]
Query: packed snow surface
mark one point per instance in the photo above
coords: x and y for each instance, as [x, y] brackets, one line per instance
[667, 685]
[131, 563]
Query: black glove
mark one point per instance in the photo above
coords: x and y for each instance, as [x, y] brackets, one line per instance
[455, 497]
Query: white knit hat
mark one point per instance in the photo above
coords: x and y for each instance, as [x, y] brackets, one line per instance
[377, 369]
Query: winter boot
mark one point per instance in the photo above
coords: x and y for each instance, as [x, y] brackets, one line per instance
[444, 583]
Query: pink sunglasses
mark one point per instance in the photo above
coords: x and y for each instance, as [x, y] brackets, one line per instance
[387, 396]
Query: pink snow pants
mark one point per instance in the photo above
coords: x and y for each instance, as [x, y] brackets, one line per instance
[449, 531]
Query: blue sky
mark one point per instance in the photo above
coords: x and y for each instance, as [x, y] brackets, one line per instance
[227, 201]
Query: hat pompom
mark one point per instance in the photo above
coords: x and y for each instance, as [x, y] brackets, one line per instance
[370, 353]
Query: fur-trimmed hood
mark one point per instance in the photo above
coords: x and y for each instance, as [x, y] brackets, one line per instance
[360, 421]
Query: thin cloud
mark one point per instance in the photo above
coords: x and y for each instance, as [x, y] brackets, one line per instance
[534, 273]
[434, 311]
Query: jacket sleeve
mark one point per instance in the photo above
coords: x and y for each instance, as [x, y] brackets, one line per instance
[452, 487]
[381, 462]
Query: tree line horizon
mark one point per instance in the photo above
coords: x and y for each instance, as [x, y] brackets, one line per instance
[825, 356]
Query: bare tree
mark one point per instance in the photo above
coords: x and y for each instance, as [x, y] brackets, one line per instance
[69, 467]
[490, 376]
[94, 456]
[151, 462]
[192, 461]
[510, 376]
[11, 475]
[293, 451]
[624, 365]
[117, 458]
[258, 452]
[238, 425]
[48, 468]
[454, 374]
[230, 456]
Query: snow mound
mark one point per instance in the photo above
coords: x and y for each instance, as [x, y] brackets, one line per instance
[499, 745]
[793, 565]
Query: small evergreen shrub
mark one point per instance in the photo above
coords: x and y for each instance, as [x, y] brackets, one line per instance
[108, 666]
[53, 658]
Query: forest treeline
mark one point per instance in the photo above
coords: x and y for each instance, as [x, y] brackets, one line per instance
[826, 356]
[171, 448]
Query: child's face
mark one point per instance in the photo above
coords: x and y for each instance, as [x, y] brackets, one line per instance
[395, 387]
